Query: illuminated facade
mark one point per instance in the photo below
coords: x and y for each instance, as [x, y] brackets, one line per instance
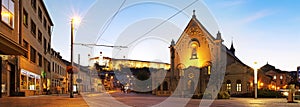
[35, 30]
[274, 79]
[111, 64]
[10, 46]
[194, 57]
[59, 76]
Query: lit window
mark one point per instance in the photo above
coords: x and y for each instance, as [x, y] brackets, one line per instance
[194, 51]
[228, 85]
[281, 77]
[238, 85]
[7, 13]
[208, 70]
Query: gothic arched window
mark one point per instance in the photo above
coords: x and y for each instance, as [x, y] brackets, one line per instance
[194, 51]
[194, 45]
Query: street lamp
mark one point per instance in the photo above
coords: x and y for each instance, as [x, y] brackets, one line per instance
[255, 80]
[73, 20]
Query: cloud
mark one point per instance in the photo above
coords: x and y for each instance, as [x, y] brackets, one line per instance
[256, 16]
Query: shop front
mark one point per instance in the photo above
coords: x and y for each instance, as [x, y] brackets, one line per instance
[30, 83]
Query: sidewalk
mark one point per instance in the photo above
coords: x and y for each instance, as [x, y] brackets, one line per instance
[63, 100]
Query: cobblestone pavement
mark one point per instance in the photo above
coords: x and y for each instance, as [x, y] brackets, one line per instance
[43, 101]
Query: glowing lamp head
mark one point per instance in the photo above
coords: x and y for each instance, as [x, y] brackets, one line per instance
[76, 20]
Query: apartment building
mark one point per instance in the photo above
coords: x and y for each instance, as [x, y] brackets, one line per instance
[58, 73]
[10, 46]
[35, 34]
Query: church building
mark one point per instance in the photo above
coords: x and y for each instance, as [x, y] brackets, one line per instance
[201, 64]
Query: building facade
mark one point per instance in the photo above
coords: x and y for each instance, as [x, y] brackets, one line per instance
[278, 79]
[59, 76]
[10, 46]
[35, 66]
[197, 58]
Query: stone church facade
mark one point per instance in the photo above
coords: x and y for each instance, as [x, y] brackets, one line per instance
[201, 64]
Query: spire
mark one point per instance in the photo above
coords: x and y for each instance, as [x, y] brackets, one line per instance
[232, 48]
[172, 42]
[194, 15]
[219, 36]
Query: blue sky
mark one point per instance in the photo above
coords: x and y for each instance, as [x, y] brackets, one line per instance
[261, 30]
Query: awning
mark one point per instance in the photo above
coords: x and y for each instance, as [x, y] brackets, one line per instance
[9, 47]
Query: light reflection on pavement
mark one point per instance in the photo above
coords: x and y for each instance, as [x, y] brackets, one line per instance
[118, 99]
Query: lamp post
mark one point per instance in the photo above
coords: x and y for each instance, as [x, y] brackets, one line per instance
[71, 76]
[73, 20]
[255, 80]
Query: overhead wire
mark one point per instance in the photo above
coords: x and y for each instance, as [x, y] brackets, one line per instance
[145, 34]
[106, 26]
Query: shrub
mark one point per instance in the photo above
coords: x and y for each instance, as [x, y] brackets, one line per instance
[223, 95]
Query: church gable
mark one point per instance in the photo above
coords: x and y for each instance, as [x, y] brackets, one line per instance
[194, 46]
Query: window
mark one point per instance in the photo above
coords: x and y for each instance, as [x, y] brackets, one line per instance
[49, 47]
[33, 28]
[45, 23]
[40, 14]
[25, 18]
[40, 60]
[53, 66]
[208, 70]
[49, 30]
[194, 45]
[238, 85]
[228, 85]
[33, 4]
[7, 14]
[45, 45]
[40, 36]
[48, 66]
[32, 54]
[25, 45]
[23, 81]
